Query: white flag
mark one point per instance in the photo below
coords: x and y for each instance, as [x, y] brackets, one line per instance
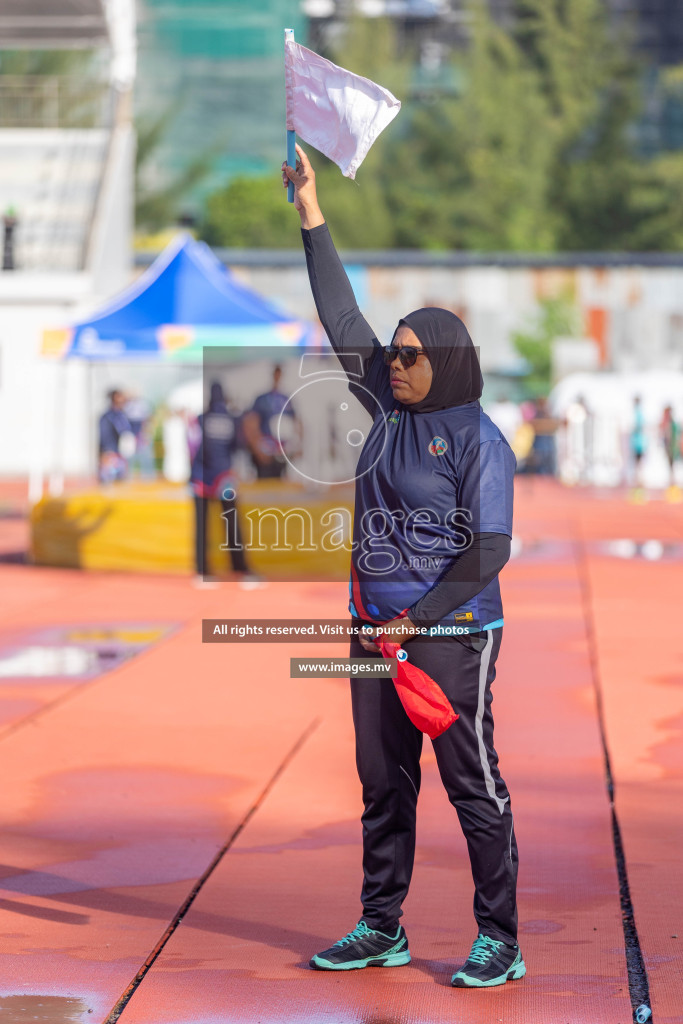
[339, 113]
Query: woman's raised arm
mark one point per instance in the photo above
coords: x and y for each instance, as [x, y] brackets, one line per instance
[351, 336]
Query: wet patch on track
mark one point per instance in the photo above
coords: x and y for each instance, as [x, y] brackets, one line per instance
[43, 1010]
[41, 667]
[648, 550]
[74, 652]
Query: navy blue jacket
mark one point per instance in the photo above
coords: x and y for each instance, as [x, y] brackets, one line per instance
[113, 423]
[212, 462]
[426, 483]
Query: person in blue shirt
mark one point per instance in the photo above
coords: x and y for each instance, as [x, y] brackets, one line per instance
[638, 442]
[432, 530]
[116, 440]
[271, 429]
[212, 476]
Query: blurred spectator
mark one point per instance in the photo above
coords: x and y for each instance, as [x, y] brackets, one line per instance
[670, 433]
[272, 428]
[176, 459]
[139, 413]
[637, 440]
[116, 440]
[194, 435]
[156, 433]
[213, 477]
[8, 247]
[543, 453]
[507, 416]
[578, 442]
[523, 441]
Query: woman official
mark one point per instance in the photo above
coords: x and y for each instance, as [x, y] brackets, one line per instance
[432, 529]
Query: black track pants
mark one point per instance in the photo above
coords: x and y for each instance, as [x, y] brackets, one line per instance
[232, 529]
[388, 748]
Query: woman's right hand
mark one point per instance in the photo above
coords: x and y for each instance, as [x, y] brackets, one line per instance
[305, 196]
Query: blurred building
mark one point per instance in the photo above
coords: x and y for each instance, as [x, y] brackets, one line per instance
[66, 191]
[659, 28]
[210, 96]
[658, 24]
[211, 76]
[630, 306]
[437, 27]
[66, 141]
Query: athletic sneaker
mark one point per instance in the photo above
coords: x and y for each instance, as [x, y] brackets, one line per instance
[364, 947]
[489, 963]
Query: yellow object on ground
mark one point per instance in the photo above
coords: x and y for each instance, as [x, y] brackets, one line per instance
[288, 532]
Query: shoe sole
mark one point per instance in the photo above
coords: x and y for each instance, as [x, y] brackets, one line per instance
[393, 960]
[461, 980]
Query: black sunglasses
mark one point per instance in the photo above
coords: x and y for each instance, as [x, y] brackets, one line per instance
[407, 354]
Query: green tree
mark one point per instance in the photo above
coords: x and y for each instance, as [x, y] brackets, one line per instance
[576, 56]
[250, 213]
[534, 152]
[607, 196]
[555, 318]
[473, 174]
[255, 212]
[158, 207]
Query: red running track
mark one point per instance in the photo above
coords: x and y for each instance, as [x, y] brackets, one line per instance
[121, 792]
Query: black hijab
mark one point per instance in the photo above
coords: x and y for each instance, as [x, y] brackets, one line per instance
[217, 398]
[456, 373]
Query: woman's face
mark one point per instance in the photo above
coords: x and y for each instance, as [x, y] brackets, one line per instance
[410, 384]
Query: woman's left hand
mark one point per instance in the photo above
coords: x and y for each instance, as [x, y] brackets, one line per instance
[397, 632]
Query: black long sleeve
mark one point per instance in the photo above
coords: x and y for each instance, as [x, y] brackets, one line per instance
[351, 336]
[465, 577]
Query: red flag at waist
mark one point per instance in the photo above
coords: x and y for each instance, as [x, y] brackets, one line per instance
[425, 703]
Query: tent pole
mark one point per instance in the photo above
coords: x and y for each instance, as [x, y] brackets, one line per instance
[36, 476]
[56, 482]
[93, 442]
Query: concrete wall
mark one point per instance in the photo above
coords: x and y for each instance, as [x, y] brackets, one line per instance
[32, 389]
[633, 313]
[47, 411]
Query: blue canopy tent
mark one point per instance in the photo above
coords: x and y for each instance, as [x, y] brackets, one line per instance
[185, 302]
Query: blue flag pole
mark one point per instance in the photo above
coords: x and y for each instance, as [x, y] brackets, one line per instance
[291, 136]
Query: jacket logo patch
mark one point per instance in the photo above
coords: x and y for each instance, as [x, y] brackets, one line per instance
[437, 446]
[463, 617]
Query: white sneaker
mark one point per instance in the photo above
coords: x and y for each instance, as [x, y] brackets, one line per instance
[252, 581]
[205, 583]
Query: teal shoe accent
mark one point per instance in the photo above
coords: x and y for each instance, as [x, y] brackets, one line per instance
[490, 963]
[383, 960]
[364, 947]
